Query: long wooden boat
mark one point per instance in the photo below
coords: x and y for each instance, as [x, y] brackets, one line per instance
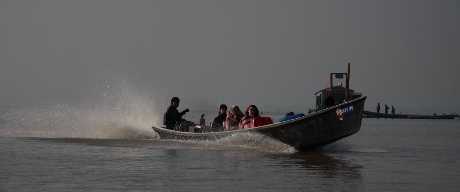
[308, 132]
[369, 114]
[329, 122]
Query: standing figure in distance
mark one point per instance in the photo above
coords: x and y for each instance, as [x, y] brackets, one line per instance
[378, 107]
[392, 110]
[386, 109]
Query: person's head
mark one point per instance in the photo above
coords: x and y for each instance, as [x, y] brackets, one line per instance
[223, 108]
[235, 110]
[289, 113]
[175, 102]
[252, 111]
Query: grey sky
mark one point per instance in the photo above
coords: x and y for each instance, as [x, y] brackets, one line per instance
[274, 54]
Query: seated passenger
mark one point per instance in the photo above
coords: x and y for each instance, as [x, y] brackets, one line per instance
[329, 102]
[233, 118]
[289, 116]
[218, 123]
[289, 113]
[248, 120]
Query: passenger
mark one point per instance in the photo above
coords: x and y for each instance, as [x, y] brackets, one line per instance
[378, 107]
[248, 120]
[392, 110]
[289, 113]
[172, 117]
[329, 102]
[233, 118]
[218, 123]
[202, 120]
[386, 109]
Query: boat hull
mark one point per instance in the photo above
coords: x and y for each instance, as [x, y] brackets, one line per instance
[304, 133]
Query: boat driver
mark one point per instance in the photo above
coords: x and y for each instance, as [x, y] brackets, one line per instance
[172, 117]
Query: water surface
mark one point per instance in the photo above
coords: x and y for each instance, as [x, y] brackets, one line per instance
[385, 155]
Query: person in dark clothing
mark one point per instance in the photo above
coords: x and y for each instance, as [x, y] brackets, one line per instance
[386, 109]
[378, 107]
[392, 110]
[329, 102]
[172, 117]
[219, 121]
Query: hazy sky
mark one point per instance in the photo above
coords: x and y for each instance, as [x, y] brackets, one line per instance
[274, 54]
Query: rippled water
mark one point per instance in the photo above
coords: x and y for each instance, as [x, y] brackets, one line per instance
[386, 155]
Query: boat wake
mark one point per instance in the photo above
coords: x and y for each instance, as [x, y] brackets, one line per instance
[123, 113]
[122, 117]
[68, 122]
[239, 142]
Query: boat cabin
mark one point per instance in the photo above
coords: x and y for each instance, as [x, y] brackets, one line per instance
[339, 90]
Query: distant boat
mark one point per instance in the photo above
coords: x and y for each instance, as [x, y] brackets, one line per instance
[369, 114]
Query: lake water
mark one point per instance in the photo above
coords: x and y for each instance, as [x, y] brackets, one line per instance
[385, 155]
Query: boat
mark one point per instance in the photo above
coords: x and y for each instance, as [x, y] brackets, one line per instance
[369, 114]
[324, 125]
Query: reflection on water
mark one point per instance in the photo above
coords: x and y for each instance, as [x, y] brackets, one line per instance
[325, 172]
[328, 165]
